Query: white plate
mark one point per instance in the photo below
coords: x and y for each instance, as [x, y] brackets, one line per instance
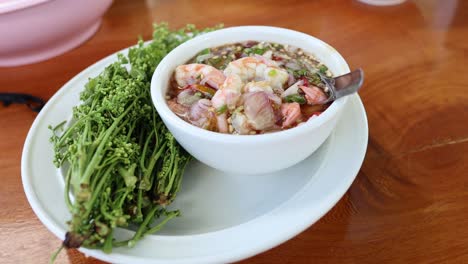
[225, 217]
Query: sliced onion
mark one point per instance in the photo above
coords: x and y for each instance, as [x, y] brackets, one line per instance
[293, 66]
[268, 54]
[204, 57]
[249, 44]
[188, 97]
[281, 56]
[291, 79]
[274, 98]
[178, 109]
[291, 49]
[293, 89]
[240, 123]
[200, 114]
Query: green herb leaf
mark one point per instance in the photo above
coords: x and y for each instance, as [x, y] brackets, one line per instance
[205, 51]
[272, 73]
[295, 98]
[259, 51]
[323, 69]
[300, 73]
[315, 79]
[254, 50]
[215, 61]
[221, 110]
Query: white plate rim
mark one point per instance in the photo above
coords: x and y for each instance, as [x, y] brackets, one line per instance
[237, 254]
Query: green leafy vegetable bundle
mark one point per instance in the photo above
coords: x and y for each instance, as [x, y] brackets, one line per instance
[122, 164]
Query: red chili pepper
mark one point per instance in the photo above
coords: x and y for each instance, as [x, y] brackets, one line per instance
[204, 89]
[306, 82]
[276, 58]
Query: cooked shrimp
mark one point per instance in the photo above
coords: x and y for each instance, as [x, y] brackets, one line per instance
[258, 110]
[262, 86]
[226, 98]
[314, 95]
[219, 103]
[291, 114]
[258, 69]
[232, 89]
[198, 73]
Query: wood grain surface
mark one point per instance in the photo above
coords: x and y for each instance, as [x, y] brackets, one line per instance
[408, 203]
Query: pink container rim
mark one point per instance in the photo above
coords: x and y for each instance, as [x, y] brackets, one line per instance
[7, 6]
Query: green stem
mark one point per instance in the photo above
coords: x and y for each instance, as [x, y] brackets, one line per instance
[106, 215]
[143, 226]
[98, 155]
[122, 198]
[145, 149]
[158, 227]
[97, 191]
[107, 247]
[171, 162]
[68, 133]
[131, 128]
[67, 191]
[55, 255]
[179, 177]
[147, 180]
[139, 216]
[173, 175]
[95, 179]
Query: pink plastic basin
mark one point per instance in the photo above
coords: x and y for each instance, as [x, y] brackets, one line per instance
[36, 30]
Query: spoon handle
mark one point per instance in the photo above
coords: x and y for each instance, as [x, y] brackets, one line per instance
[345, 84]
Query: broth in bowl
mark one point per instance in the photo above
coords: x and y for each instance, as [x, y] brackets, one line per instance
[249, 88]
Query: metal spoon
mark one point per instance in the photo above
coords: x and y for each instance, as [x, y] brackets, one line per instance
[343, 85]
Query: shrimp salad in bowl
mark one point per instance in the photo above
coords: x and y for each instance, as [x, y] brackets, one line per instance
[249, 88]
[241, 99]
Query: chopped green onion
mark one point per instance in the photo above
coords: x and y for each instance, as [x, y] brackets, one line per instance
[272, 73]
[205, 51]
[323, 69]
[315, 79]
[300, 73]
[259, 51]
[221, 110]
[295, 98]
[254, 50]
[215, 61]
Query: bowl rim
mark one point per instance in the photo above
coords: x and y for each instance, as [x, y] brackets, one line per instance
[167, 115]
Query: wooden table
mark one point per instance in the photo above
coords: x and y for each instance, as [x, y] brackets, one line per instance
[409, 202]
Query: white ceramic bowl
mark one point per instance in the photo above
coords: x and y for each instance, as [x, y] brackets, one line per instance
[249, 154]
